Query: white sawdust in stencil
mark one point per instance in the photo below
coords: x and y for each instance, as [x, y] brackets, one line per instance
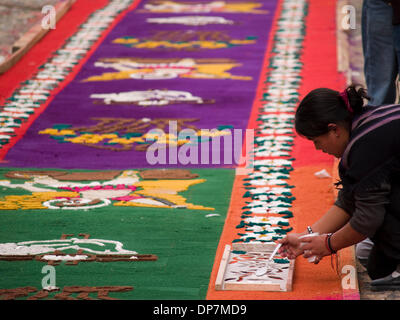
[151, 202]
[260, 231]
[127, 177]
[276, 145]
[279, 78]
[149, 97]
[48, 246]
[29, 186]
[275, 139]
[266, 220]
[270, 190]
[104, 194]
[281, 92]
[75, 204]
[276, 128]
[267, 203]
[268, 176]
[190, 20]
[283, 145]
[178, 7]
[271, 182]
[212, 215]
[273, 162]
[159, 70]
[242, 267]
[13, 113]
[262, 148]
[269, 210]
[259, 237]
[280, 117]
[52, 257]
[276, 124]
[271, 153]
[288, 60]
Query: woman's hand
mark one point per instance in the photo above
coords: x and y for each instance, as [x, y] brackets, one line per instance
[291, 246]
[315, 246]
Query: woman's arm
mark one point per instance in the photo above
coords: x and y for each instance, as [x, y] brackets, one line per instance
[333, 220]
[346, 237]
[369, 214]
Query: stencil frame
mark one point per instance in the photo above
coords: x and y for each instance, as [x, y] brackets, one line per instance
[255, 283]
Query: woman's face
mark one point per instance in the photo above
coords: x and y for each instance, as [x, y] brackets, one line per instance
[334, 142]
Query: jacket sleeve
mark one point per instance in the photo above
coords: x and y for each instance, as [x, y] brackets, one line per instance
[370, 209]
[344, 204]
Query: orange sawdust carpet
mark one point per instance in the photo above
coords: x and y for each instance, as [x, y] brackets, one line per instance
[314, 195]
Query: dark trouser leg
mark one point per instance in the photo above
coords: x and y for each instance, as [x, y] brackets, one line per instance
[396, 42]
[379, 265]
[380, 62]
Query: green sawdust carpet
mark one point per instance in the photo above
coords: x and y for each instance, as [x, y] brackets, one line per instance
[183, 240]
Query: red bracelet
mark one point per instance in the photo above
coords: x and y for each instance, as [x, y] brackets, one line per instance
[328, 243]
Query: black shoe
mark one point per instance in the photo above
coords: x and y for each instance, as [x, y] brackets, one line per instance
[387, 283]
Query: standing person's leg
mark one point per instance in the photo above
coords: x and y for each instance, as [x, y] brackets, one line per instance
[380, 62]
[396, 41]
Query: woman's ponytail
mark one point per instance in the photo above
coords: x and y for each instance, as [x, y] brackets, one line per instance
[353, 97]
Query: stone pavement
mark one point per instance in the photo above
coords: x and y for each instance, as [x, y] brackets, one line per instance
[16, 18]
[365, 288]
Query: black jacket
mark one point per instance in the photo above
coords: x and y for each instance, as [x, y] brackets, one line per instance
[370, 177]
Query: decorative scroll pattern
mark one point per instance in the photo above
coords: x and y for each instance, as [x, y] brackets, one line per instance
[266, 215]
[35, 92]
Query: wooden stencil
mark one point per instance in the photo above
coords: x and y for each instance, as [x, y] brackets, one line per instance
[239, 263]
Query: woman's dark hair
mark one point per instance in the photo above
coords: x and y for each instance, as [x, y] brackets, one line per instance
[323, 106]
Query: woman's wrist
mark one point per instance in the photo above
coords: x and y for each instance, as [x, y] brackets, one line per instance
[328, 243]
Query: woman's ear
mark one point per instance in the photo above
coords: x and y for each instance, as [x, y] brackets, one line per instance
[335, 128]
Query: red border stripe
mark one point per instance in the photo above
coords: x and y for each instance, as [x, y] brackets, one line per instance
[66, 28]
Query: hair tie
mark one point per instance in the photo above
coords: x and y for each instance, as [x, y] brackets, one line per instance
[345, 98]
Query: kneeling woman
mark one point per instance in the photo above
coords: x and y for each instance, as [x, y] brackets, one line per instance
[367, 139]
